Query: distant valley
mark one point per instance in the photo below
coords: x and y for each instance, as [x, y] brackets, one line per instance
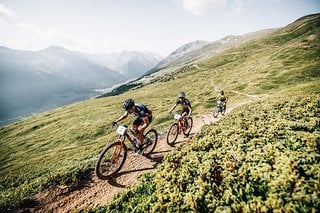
[33, 82]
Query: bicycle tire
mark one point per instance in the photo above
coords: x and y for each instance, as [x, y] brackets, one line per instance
[216, 112]
[187, 131]
[152, 137]
[171, 132]
[111, 152]
[224, 111]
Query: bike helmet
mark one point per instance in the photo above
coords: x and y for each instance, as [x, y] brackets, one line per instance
[221, 92]
[182, 95]
[128, 104]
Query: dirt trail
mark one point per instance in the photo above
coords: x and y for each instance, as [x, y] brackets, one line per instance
[98, 192]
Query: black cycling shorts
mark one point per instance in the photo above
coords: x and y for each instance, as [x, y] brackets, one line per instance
[185, 110]
[139, 122]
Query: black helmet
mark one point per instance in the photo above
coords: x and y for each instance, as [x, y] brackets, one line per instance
[182, 95]
[128, 104]
[221, 92]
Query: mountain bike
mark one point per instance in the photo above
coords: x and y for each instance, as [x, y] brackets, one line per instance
[220, 108]
[113, 156]
[181, 124]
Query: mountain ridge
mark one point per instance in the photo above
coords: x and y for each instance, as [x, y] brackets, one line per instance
[186, 59]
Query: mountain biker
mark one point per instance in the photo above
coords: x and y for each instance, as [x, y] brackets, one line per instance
[142, 121]
[223, 97]
[185, 103]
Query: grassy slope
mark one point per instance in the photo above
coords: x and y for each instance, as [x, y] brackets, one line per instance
[61, 145]
[261, 157]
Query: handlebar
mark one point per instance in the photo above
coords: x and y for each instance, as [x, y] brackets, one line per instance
[121, 128]
[115, 125]
[178, 116]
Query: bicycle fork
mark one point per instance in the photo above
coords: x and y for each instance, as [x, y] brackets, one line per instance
[116, 152]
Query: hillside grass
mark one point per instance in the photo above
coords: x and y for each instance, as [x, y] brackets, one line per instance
[262, 157]
[60, 146]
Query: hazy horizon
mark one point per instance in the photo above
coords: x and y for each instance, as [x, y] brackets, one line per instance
[155, 26]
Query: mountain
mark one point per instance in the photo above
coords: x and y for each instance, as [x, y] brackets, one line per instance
[200, 50]
[32, 82]
[76, 68]
[181, 51]
[187, 56]
[131, 64]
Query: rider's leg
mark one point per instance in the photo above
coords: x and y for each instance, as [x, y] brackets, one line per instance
[141, 130]
[140, 135]
[184, 113]
[135, 126]
[224, 107]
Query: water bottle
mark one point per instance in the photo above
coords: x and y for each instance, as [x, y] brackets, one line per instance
[135, 141]
[184, 122]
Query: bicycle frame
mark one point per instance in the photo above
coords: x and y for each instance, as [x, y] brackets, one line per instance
[179, 119]
[123, 134]
[113, 156]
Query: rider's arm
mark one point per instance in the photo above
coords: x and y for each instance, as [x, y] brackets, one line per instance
[190, 110]
[218, 97]
[122, 117]
[173, 107]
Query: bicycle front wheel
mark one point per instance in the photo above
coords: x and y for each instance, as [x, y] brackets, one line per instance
[110, 160]
[216, 112]
[150, 141]
[189, 127]
[172, 134]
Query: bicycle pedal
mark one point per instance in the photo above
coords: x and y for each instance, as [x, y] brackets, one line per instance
[138, 152]
[147, 143]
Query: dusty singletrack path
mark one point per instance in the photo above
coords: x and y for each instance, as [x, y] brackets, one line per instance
[98, 192]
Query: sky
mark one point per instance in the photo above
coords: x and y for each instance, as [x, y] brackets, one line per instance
[158, 26]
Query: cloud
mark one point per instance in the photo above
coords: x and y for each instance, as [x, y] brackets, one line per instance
[16, 34]
[201, 7]
[27, 36]
[6, 12]
[237, 6]
[6, 15]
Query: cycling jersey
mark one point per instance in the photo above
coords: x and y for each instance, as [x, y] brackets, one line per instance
[141, 111]
[185, 103]
[222, 97]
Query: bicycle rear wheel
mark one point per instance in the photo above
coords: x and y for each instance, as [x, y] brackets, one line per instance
[110, 160]
[189, 127]
[172, 134]
[224, 110]
[150, 141]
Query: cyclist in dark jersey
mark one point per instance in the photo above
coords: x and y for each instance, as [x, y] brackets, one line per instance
[185, 103]
[142, 121]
